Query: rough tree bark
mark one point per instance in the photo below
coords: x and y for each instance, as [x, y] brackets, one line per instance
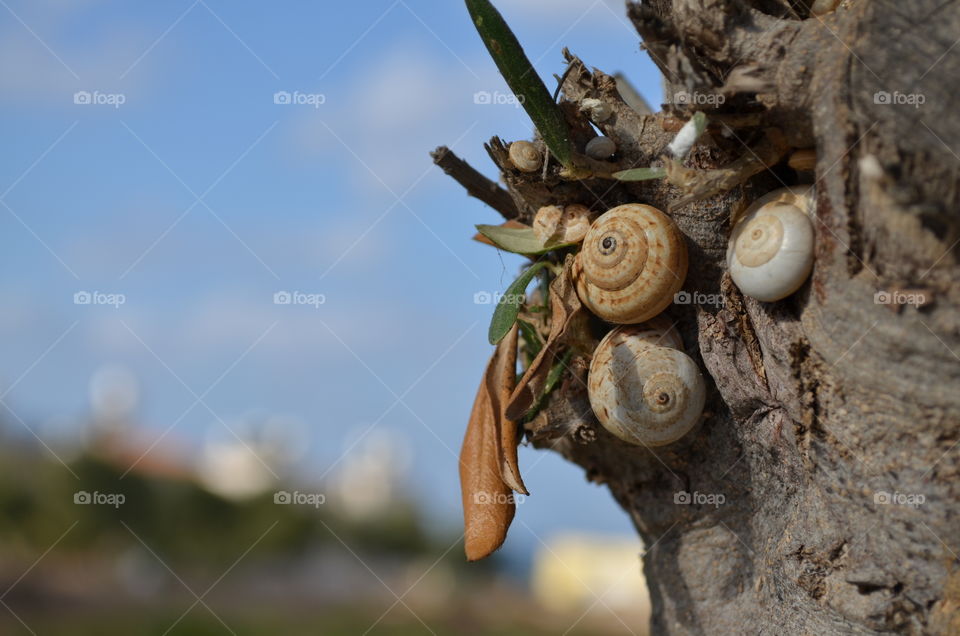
[823, 400]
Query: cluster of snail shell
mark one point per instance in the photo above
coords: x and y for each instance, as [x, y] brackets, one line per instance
[526, 157]
[642, 386]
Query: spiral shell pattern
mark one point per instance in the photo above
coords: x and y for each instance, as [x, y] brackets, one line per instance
[770, 253]
[568, 224]
[525, 156]
[633, 261]
[643, 388]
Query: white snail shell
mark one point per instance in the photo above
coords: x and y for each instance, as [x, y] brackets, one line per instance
[643, 388]
[633, 261]
[525, 156]
[770, 253]
[600, 148]
[562, 225]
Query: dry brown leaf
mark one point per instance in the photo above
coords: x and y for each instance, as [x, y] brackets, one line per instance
[500, 382]
[488, 504]
[565, 305]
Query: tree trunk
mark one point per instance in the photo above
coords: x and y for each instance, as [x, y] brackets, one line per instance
[823, 480]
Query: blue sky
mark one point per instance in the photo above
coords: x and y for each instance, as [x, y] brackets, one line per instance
[199, 197]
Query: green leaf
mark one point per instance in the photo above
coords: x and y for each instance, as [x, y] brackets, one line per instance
[640, 174]
[556, 372]
[509, 306]
[531, 337]
[522, 79]
[519, 240]
[553, 377]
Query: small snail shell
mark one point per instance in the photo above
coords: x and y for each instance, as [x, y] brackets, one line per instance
[821, 7]
[804, 159]
[567, 225]
[643, 388]
[600, 148]
[633, 261]
[525, 156]
[770, 253]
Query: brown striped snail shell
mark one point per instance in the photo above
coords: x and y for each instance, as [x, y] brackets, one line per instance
[633, 261]
[525, 156]
[642, 386]
[568, 224]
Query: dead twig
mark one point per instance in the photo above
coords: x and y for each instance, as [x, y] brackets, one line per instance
[476, 185]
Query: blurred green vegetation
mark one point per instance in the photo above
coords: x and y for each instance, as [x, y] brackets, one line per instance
[177, 517]
[336, 622]
[199, 536]
[74, 569]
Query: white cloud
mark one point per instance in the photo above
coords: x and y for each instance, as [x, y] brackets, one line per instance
[43, 67]
[404, 102]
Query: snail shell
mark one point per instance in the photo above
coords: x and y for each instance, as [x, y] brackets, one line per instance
[643, 388]
[770, 253]
[633, 261]
[600, 148]
[525, 156]
[821, 7]
[562, 225]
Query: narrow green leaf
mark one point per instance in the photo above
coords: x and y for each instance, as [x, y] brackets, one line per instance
[553, 377]
[508, 308]
[519, 240]
[531, 338]
[640, 174]
[556, 372]
[522, 79]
